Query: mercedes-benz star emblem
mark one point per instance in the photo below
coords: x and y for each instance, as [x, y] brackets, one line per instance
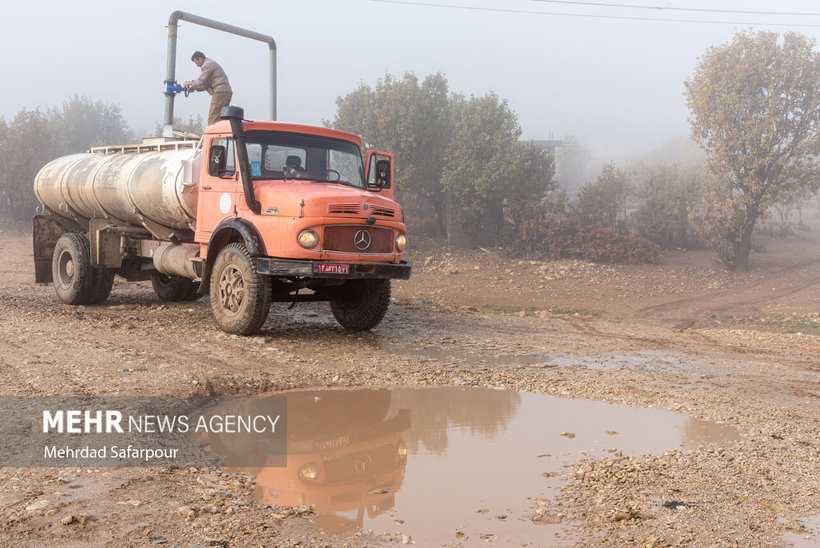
[362, 240]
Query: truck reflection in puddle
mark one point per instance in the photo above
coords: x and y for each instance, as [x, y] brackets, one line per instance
[346, 452]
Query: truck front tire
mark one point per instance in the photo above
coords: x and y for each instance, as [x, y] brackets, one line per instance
[240, 296]
[365, 305]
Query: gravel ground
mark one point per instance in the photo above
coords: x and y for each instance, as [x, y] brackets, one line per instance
[684, 335]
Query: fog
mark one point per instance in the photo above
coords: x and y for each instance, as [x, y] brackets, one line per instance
[607, 75]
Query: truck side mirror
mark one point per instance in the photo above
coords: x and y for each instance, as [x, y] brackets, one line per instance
[378, 172]
[217, 161]
[383, 173]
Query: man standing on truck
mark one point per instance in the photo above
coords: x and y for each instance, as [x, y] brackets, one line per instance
[213, 80]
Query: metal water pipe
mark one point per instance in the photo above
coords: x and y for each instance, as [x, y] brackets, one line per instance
[170, 71]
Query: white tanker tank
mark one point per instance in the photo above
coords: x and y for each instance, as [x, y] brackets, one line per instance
[135, 184]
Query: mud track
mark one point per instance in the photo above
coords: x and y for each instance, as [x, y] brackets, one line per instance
[800, 278]
[679, 336]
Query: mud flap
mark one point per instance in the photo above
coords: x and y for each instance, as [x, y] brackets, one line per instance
[45, 231]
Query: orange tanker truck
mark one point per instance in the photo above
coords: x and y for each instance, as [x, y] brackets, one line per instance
[253, 212]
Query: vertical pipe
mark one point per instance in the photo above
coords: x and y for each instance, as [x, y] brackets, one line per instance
[170, 76]
[272, 80]
[170, 72]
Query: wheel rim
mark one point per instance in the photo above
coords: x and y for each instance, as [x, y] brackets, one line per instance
[65, 269]
[231, 289]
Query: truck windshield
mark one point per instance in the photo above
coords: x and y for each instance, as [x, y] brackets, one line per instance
[279, 155]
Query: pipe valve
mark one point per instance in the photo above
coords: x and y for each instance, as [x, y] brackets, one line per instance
[172, 88]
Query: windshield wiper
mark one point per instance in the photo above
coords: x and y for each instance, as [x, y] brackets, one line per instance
[329, 181]
[337, 181]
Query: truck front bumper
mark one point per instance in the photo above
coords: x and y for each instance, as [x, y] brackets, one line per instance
[313, 269]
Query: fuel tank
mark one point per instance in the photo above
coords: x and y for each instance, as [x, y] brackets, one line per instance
[128, 184]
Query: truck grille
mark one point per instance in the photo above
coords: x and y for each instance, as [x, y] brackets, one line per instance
[361, 464]
[346, 238]
[354, 209]
[382, 211]
[351, 209]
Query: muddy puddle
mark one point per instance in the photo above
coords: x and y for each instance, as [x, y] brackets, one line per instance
[451, 465]
[808, 537]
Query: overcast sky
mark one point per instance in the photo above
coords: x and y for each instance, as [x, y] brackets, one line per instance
[605, 74]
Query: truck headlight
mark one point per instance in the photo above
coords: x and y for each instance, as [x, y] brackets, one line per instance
[401, 242]
[309, 472]
[308, 239]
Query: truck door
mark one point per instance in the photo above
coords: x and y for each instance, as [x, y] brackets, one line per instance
[218, 190]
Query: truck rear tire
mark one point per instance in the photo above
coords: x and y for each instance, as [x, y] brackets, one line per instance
[75, 281]
[71, 269]
[174, 288]
[101, 285]
[365, 306]
[240, 296]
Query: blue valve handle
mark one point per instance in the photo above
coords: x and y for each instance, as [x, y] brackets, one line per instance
[172, 88]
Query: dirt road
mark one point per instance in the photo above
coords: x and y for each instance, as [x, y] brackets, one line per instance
[684, 335]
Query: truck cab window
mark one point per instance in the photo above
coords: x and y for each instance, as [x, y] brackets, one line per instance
[276, 159]
[222, 162]
[347, 166]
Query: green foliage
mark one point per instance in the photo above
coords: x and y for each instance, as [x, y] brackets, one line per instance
[33, 138]
[604, 201]
[458, 160]
[82, 123]
[481, 158]
[412, 120]
[575, 238]
[668, 193]
[532, 190]
[537, 198]
[28, 143]
[755, 106]
[807, 324]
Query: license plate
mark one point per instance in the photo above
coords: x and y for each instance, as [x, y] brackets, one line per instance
[335, 443]
[331, 269]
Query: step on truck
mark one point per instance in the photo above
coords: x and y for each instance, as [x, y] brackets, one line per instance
[253, 212]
